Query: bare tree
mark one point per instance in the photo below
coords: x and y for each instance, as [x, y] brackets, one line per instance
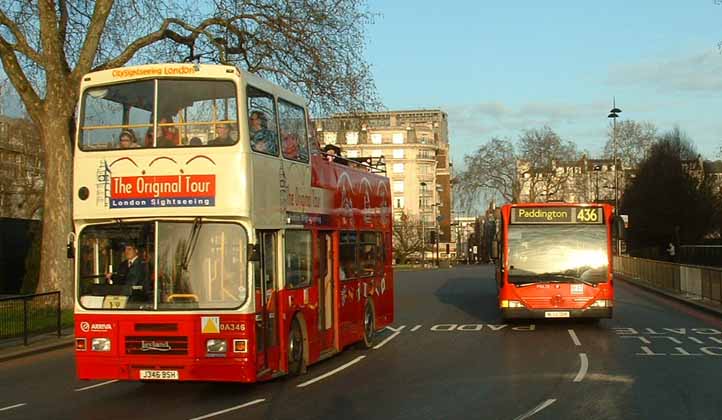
[314, 47]
[489, 172]
[542, 163]
[407, 238]
[634, 140]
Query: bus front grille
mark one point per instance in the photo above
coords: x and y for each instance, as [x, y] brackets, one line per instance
[155, 345]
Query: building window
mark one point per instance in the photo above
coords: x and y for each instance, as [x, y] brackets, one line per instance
[376, 138]
[398, 168]
[398, 138]
[398, 153]
[399, 186]
[352, 153]
[376, 153]
[397, 216]
[399, 203]
[352, 137]
[329, 137]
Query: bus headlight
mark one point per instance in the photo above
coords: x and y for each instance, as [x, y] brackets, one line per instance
[511, 304]
[215, 345]
[602, 303]
[100, 344]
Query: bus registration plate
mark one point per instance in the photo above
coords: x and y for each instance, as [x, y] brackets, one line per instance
[556, 314]
[162, 375]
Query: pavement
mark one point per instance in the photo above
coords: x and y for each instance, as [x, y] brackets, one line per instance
[448, 355]
[692, 300]
[13, 348]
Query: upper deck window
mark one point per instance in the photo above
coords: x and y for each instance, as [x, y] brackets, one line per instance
[159, 113]
[294, 136]
[262, 129]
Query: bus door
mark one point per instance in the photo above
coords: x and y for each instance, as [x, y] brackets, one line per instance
[267, 342]
[326, 314]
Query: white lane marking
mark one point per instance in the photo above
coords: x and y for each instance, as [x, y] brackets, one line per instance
[326, 375]
[583, 368]
[96, 385]
[575, 339]
[396, 329]
[227, 410]
[537, 409]
[13, 406]
[389, 338]
[415, 328]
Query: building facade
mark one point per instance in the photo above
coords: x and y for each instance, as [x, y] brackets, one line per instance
[582, 181]
[21, 169]
[415, 147]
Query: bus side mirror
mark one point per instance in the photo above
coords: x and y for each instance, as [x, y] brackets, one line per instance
[253, 253]
[71, 246]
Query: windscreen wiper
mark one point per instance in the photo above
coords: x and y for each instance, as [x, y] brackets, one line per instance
[568, 277]
[192, 241]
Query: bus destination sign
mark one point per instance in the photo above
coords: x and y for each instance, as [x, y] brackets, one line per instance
[557, 215]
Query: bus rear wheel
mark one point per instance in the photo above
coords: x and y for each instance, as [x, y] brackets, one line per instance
[369, 326]
[295, 349]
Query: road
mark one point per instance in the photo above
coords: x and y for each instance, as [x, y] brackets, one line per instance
[448, 356]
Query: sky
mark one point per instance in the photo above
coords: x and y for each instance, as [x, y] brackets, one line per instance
[497, 68]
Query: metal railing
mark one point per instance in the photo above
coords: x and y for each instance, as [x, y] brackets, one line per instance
[27, 315]
[692, 280]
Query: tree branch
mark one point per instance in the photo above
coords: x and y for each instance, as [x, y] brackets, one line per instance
[21, 44]
[15, 73]
[92, 39]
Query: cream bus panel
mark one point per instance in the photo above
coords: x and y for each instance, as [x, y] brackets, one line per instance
[185, 182]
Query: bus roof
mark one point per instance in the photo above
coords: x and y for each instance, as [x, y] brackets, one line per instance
[188, 70]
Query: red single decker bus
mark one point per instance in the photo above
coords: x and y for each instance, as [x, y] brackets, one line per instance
[555, 260]
[215, 241]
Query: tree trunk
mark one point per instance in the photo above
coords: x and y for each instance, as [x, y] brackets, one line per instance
[55, 268]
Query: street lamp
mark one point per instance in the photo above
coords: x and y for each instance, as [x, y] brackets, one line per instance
[421, 213]
[613, 114]
[436, 230]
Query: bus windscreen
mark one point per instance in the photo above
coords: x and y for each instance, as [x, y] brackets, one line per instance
[564, 253]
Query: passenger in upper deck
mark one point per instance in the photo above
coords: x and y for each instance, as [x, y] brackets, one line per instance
[262, 139]
[127, 140]
[224, 136]
[169, 136]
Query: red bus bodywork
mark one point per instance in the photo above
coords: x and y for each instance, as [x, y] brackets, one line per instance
[564, 299]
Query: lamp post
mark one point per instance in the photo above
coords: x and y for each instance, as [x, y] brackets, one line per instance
[436, 231]
[421, 213]
[613, 114]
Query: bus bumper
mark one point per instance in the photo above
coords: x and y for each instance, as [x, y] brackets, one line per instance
[526, 313]
[92, 368]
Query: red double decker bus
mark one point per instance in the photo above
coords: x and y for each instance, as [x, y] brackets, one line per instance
[214, 241]
[555, 260]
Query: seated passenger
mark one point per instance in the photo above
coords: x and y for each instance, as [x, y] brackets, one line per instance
[127, 140]
[224, 136]
[169, 136]
[262, 139]
[291, 149]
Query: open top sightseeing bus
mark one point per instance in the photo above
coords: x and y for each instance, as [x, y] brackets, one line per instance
[555, 260]
[213, 240]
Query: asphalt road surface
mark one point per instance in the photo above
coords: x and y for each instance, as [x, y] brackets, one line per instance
[448, 356]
